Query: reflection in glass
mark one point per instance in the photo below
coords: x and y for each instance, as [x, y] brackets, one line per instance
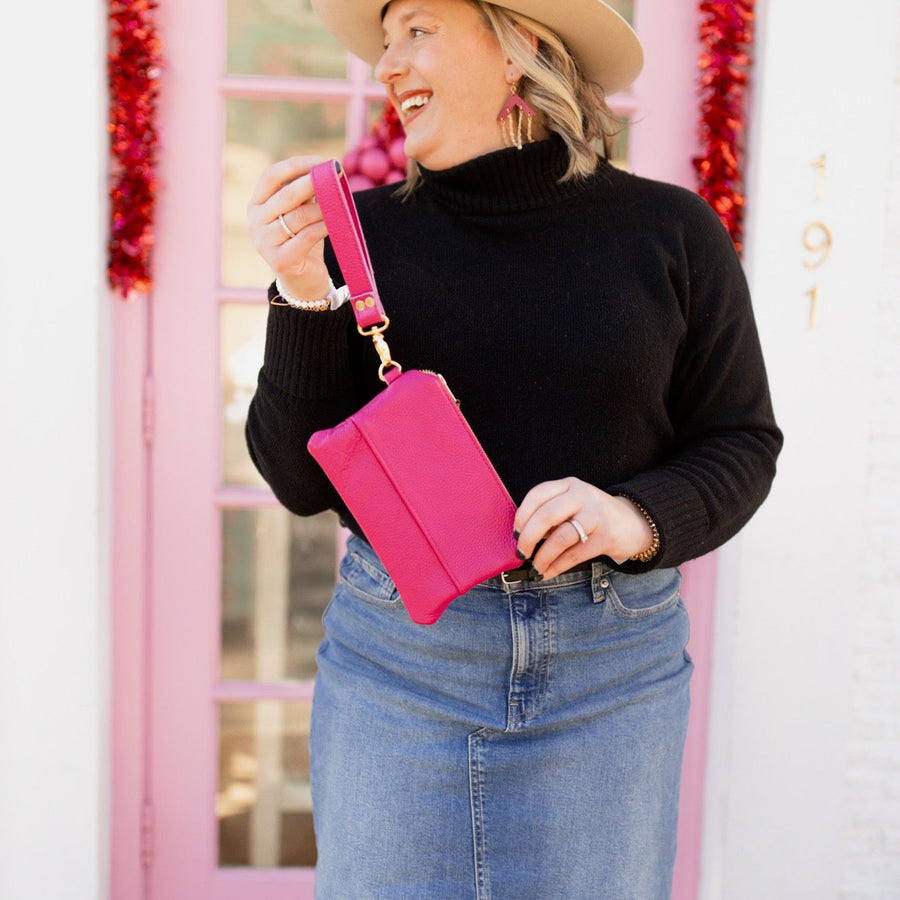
[258, 133]
[624, 8]
[281, 38]
[278, 572]
[242, 343]
[263, 803]
[620, 145]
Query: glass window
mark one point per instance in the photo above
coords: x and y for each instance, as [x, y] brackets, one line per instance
[624, 8]
[242, 343]
[620, 144]
[281, 38]
[263, 804]
[278, 573]
[260, 132]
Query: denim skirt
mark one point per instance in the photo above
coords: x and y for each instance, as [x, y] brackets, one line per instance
[527, 746]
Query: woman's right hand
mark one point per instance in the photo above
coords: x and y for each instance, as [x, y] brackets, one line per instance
[285, 189]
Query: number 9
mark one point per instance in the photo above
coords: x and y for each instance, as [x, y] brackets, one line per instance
[818, 240]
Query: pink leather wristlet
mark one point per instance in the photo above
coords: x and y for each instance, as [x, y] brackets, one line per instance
[407, 465]
[336, 202]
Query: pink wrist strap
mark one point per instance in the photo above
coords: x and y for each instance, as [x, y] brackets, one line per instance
[339, 211]
[407, 465]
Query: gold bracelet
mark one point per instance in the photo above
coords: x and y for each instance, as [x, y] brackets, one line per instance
[653, 549]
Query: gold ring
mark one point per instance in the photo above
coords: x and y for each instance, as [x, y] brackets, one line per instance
[284, 225]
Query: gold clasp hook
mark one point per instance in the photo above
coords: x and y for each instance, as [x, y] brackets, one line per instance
[376, 332]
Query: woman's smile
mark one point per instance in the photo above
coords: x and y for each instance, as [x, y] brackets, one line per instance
[412, 103]
[448, 77]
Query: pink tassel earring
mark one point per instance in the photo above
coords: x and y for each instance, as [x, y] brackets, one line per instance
[514, 111]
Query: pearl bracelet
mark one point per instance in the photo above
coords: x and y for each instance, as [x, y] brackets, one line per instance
[289, 299]
[653, 549]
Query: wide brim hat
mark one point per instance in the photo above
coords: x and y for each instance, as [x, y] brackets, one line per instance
[603, 43]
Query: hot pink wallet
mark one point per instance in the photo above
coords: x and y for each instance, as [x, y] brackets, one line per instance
[407, 464]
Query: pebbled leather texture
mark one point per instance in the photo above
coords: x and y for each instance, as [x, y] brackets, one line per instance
[339, 211]
[418, 482]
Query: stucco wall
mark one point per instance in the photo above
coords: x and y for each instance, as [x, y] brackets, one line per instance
[803, 788]
[53, 454]
[871, 860]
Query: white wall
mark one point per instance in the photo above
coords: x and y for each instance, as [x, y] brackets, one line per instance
[803, 792]
[53, 598]
[871, 857]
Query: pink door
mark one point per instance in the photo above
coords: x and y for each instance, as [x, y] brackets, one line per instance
[217, 591]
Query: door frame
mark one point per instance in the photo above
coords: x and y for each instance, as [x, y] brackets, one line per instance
[158, 439]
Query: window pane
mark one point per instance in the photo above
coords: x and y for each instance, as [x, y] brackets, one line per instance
[242, 342]
[263, 804]
[278, 572]
[620, 145]
[624, 8]
[283, 38]
[258, 133]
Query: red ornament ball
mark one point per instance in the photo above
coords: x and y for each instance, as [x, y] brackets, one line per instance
[360, 182]
[397, 154]
[375, 164]
[350, 162]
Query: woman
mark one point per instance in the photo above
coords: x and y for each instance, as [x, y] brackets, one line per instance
[597, 330]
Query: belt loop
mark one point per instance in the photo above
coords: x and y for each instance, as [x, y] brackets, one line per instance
[599, 581]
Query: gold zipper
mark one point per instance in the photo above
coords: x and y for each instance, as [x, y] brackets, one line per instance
[443, 382]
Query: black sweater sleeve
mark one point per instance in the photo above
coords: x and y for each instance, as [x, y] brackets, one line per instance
[722, 463]
[306, 383]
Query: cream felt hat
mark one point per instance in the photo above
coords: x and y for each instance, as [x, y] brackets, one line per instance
[604, 44]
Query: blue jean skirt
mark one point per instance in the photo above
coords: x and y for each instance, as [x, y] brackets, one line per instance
[528, 746]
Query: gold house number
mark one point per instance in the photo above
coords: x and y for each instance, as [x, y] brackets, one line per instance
[818, 242]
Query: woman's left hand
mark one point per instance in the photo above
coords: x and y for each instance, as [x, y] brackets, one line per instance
[614, 526]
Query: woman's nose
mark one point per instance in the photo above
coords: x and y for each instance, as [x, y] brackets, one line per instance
[391, 65]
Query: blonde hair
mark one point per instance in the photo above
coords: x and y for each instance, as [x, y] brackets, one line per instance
[554, 86]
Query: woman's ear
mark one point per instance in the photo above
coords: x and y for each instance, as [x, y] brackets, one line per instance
[530, 39]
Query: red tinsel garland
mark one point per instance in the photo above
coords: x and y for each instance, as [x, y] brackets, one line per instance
[726, 32]
[134, 63]
[133, 70]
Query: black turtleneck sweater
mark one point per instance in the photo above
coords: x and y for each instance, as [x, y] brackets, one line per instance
[597, 328]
